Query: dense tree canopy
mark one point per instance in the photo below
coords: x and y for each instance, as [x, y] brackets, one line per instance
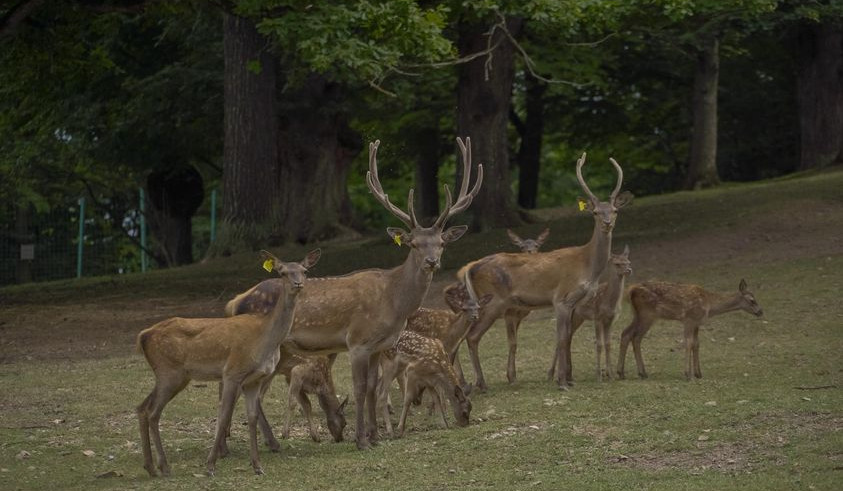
[273, 101]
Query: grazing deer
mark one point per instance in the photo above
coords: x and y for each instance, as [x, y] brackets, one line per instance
[312, 375]
[602, 308]
[364, 312]
[242, 351]
[530, 246]
[422, 363]
[560, 279]
[690, 304]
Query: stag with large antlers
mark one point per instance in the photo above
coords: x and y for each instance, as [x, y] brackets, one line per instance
[242, 351]
[521, 282]
[364, 312]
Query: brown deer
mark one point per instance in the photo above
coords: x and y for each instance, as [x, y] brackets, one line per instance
[242, 351]
[312, 375]
[690, 304]
[530, 246]
[602, 308]
[422, 363]
[364, 312]
[560, 279]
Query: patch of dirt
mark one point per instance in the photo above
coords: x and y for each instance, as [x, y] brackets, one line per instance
[726, 458]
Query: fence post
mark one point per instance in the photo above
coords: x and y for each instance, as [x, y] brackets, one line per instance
[81, 241]
[213, 215]
[144, 259]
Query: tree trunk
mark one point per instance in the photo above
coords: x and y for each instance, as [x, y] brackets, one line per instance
[23, 235]
[483, 100]
[427, 149]
[174, 197]
[529, 153]
[251, 136]
[820, 95]
[702, 164]
[317, 147]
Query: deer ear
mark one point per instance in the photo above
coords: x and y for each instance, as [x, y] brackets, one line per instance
[623, 199]
[742, 286]
[312, 258]
[626, 250]
[454, 233]
[514, 237]
[452, 297]
[343, 403]
[485, 299]
[270, 261]
[399, 235]
[584, 204]
[542, 236]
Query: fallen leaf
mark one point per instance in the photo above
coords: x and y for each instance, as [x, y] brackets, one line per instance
[198, 475]
[806, 398]
[702, 438]
[711, 403]
[23, 454]
[88, 453]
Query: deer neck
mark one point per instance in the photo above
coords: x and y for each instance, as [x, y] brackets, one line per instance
[408, 286]
[720, 304]
[278, 324]
[615, 287]
[597, 251]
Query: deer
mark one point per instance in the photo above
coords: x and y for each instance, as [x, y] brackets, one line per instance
[602, 308]
[560, 279]
[241, 351]
[422, 363]
[449, 328]
[530, 246]
[692, 305]
[365, 311]
[312, 375]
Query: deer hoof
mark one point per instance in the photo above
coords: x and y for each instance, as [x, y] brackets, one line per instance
[363, 444]
[258, 471]
[642, 375]
[621, 376]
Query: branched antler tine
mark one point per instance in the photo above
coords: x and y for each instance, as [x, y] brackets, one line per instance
[465, 150]
[464, 198]
[620, 178]
[583, 185]
[376, 189]
[412, 210]
[449, 200]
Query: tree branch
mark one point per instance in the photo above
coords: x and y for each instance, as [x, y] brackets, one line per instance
[17, 14]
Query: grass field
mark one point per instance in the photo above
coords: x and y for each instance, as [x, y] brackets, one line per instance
[768, 413]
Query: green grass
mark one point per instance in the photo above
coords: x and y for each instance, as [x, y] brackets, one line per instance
[748, 424]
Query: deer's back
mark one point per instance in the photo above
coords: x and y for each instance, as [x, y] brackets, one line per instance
[665, 300]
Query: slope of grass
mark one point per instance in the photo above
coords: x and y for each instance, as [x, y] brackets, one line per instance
[768, 413]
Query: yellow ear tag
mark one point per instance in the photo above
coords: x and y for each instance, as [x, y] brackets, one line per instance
[267, 265]
[397, 240]
[581, 203]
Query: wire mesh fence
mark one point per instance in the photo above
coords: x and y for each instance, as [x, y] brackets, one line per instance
[74, 240]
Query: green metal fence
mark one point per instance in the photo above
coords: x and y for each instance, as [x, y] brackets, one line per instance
[75, 240]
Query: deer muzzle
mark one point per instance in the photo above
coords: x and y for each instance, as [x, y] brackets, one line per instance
[431, 263]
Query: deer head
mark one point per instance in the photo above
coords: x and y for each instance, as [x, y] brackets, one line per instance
[426, 243]
[748, 302]
[605, 212]
[336, 420]
[530, 246]
[462, 408]
[294, 273]
[462, 299]
[621, 262]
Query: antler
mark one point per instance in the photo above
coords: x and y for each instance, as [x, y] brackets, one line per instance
[464, 198]
[375, 187]
[620, 179]
[583, 185]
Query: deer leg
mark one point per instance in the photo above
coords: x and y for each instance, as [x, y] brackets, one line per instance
[359, 376]
[292, 391]
[598, 347]
[438, 403]
[513, 321]
[455, 362]
[563, 346]
[251, 393]
[230, 391]
[371, 397]
[473, 341]
[307, 409]
[410, 392]
[149, 414]
[626, 337]
[390, 368]
[695, 351]
[607, 344]
[643, 327]
[689, 348]
[268, 437]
